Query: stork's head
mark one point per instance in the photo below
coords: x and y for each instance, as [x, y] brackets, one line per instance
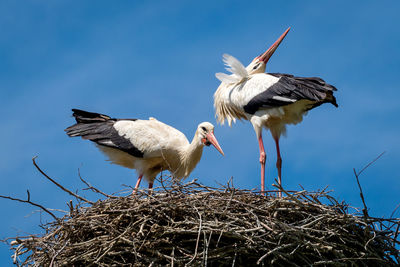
[259, 63]
[205, 131]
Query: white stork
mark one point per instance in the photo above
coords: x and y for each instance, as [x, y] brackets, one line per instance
[270, 100]
[149, 146]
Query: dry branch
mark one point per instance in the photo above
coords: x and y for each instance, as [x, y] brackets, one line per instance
[357, 175]
[59, 185]
[28, 200]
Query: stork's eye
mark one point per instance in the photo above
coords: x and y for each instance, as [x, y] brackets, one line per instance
[204, 129]
[255, 67]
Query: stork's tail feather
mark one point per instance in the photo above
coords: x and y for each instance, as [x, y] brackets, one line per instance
[89, 125]
[90, 131]
[330, 98]
[82, 116]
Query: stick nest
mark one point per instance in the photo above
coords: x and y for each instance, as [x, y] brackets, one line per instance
[192, 224]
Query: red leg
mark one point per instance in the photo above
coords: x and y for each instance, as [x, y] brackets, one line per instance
[137, 184]
[278, 163]
[262, 161]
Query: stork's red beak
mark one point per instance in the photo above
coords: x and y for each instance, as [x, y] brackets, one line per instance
[267, 54]
[211, 138]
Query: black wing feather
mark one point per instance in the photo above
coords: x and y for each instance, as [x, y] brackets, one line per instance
[294, 88]
[99, 128]
[82, 116]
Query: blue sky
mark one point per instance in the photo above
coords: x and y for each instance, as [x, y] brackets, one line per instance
[140, 59]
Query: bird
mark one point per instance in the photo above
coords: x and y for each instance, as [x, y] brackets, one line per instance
[149, 146]
[267, 100]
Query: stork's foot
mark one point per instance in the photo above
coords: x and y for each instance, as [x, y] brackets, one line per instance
[137, 185]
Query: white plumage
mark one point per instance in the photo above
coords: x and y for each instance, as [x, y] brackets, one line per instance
[149, 146]
[267, 100]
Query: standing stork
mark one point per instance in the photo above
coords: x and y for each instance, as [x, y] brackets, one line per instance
[267, 100]
[149, 146]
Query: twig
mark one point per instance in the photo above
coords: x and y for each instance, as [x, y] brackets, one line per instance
[365, 209]
[198, 237]
[94, 189]
[369, 164]
[57, 184]
[30, 202]
[394, 211]
[56, 254]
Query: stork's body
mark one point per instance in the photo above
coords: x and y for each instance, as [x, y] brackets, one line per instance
[149, 146]
[267, 100]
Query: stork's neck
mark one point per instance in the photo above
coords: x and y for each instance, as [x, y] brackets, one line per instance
[190, 156]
